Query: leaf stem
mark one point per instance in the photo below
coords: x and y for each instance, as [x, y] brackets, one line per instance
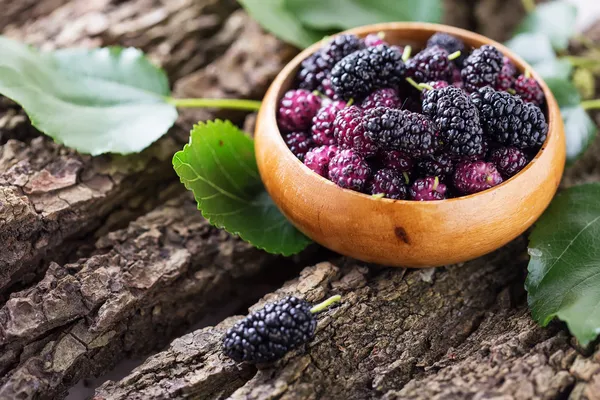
[591, 104]
[529, 5]
[324, 305]
[232, 104]
[584, 62]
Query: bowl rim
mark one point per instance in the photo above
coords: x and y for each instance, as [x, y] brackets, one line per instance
[292, 66]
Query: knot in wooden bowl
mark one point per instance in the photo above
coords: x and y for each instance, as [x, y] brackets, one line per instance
[406, 233]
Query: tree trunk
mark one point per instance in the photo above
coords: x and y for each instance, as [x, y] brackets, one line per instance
[106, 258]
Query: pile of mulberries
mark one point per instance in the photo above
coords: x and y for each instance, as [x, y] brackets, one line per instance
[448, 122]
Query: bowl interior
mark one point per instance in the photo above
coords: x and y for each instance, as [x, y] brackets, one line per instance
[416, 35]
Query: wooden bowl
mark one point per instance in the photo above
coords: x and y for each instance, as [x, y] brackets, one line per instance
[400, 232]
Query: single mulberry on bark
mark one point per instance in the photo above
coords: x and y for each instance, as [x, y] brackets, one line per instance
[268, 334]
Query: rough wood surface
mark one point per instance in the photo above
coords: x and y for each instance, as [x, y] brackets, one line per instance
[143, 285]
[14, 13]
[454, 333]
[51, 196]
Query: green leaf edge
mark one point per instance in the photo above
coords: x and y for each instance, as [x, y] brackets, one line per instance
[308, 35]
[544, 321]
[118, 50]
[36, 124]
[434, 16]
[307, 240]
[523, 25]
[571, 160]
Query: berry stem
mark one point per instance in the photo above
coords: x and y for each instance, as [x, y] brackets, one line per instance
[419, 86]
[436, 182]
[406, 53]
[454, 55]
[591, 104]
[232, 104]
[406, 177]
[350, 102]
[527, 73]
[324, 305]
[381, 35]
[413, 83]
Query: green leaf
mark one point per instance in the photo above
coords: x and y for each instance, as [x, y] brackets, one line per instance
[346, 14]
[219, 167]
[564, 91]
[95, 101]
[277, 19]
[555, 19]
[556, 68]
[535, 48]
[580, 131]
[564, 269]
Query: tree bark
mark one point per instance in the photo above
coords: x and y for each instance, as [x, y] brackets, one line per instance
[451, 333]
[143, 285]
[132, 269]
[54, 196]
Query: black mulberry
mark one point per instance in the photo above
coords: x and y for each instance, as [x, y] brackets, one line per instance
[318, 66]
[451, 44]
[364, 71]
[509, 120]
[458, 120]
[266, 335]
[482, 68]
[430, 64]
[392, 129]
